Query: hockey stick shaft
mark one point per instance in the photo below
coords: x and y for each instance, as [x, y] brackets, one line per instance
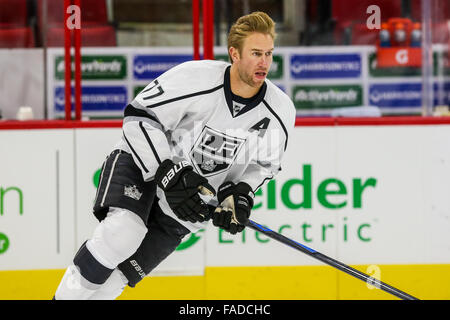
[334, 263]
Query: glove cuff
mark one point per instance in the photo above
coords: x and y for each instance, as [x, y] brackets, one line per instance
[225, 190]
[244, 189]
[229, 188]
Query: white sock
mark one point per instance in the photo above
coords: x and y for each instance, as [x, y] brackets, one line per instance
[112, 288]
[74, 287]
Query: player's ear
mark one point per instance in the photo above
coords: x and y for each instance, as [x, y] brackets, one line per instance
[234, 54]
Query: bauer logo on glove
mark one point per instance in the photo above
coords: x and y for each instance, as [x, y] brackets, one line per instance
[172, 172]
[181, 186]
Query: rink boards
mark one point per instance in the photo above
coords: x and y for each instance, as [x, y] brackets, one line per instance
[372, 196]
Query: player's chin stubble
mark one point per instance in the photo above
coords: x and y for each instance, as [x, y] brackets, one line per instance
[248, 79]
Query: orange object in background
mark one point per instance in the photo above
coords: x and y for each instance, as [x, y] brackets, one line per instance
[399, 57]
[403, 47]
[400, 30]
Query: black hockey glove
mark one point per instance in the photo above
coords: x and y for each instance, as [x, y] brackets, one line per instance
[236, 203]
[181, 186]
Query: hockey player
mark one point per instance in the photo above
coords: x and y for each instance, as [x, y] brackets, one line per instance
[201, 128]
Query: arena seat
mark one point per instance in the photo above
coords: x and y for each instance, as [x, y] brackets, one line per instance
[351, 14]
[361, 35]
[440, 13]
[441, 32]
[95, 30]
[17, 38]
[92, 12]
[91, 36]
[13, 13]
[355, 10]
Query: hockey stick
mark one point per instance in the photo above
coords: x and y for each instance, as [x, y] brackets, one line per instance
[334, 263]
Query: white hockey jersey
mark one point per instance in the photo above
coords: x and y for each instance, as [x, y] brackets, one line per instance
[190, 113]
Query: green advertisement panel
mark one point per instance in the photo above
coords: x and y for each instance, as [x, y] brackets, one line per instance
[96, 67]
[327, 96]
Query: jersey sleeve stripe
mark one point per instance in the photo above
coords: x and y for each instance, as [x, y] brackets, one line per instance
[259, 186]
[135, 154]
[279, 120]
[109, 180]
[184, 97]
[147, 137]
[134, 114]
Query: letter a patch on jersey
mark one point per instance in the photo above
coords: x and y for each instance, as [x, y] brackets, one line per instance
[261, 126]
[214, 151]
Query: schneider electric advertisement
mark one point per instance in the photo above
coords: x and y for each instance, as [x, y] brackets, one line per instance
[363, 195]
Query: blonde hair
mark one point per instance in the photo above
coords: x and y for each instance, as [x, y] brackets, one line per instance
[254, 22]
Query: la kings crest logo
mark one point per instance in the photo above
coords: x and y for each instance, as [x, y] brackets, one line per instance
[214, 151]
[132, 192]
